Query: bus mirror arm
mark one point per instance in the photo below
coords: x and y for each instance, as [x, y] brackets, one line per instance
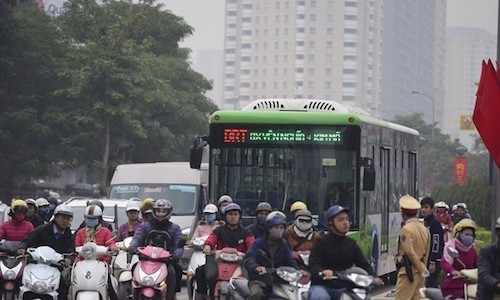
[368, 174]
[196, 151]
[366, 162]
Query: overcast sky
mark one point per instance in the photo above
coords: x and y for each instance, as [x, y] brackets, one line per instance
[207, 18]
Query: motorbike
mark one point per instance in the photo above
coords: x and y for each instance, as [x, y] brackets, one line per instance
[150, 273]
[358, 281]
[42, 273]
[228, 265]
[469, 276]
[446, 232]
[89, 278]
[197, 259]
[304, 283]
[123, 268]
[11, 269]
[283, 284]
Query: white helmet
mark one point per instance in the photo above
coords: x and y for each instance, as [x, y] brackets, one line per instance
[132, 205]
[225, 198]
[41, 202]
[211, 209]
[30, 201]
[63, 209]
[93, 211]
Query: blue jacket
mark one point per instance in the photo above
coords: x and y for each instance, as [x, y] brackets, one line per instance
[437, 241]
[488, 264]
[258, 255]
[257, 230]
[173, 230]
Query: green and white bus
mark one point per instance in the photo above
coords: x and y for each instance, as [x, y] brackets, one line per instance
[322, 153]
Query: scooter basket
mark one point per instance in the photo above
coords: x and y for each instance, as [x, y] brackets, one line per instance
[211, 271]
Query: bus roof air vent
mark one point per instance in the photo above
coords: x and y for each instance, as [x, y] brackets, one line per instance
[296, 105]
[266, 104]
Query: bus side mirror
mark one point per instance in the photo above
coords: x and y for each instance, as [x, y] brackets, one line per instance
[196, 152]
[368, 174]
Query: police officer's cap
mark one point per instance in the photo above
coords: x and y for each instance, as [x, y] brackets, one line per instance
[409, 205]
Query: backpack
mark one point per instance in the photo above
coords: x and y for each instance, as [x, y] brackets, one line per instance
[159, 237]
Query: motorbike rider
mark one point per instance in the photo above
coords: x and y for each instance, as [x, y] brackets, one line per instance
[437, 242]
[224, 201]
[334, 251]
[443, 216]
[160, 232]
[231, 234]
[32, 215]
[206, 227]
[95, 232]
[488, 265]
[258, 228]
[57, 235]
[464, 233]
[17, 228]
[460, 213]
[301, 234]
[268, 251]
[43, 209]
[147, 209]
[294, 208]
[102, 222]
[130, 227]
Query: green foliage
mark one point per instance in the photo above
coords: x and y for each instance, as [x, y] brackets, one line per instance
[483, 238]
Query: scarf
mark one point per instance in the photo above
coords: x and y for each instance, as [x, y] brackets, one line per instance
[454, 243]
[90, 233]
[302, 234]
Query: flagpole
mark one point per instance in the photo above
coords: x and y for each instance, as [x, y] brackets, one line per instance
[496, 172]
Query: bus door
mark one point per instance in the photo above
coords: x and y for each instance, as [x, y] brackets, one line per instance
[385, 162]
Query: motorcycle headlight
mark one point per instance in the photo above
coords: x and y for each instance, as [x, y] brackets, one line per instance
[229, 257]
[40, 287]
[289, 276]
[9, 275]
[147, 281]
[186, 233]
[88, 251]
[361, 280]
[360, 293]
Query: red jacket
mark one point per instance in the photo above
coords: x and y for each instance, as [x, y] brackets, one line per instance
[239, 238]
[444, 219]
[15, 231]
[102, 237]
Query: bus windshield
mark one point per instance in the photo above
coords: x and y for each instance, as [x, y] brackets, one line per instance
[282, 164]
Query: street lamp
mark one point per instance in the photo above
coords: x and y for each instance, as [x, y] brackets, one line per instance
[433, 110]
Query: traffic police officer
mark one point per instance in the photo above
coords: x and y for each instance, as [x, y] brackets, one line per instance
[413, 251]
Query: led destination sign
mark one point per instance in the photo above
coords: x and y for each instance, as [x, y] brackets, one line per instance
[306, 135]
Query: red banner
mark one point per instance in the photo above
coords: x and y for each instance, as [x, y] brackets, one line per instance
[460, 170]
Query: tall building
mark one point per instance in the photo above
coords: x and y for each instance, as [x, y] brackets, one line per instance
[466, 48]
[303, 49]
[413, 58]
[208, 63]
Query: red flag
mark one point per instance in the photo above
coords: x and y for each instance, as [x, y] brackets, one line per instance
[460, 170]
[487, 110]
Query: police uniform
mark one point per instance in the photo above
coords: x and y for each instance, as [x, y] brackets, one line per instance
[414, 243]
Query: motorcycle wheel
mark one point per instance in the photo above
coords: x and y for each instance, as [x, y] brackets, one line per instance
[124, 291]
[31, 296]
[8, 295]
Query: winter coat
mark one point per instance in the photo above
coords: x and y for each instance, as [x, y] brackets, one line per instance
[437, 241]
[452, 286]
[223, 236]
[488, 265]
[255, 258]
[15, 231]
[257, 230]
[444, 219]
[205, 229]
[297, 243]
[102, 237]
[123, 230]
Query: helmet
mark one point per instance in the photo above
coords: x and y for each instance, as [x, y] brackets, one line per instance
[441, 204]
[30, 201]
[134, 199]
[263, 206]
[41, 202]
[335, 210]
[232, 206]
[464, 223]
[274, 213]
[63, 209]
[225, 198]
[454, 207]
[211, 209]
[96, 202]
[298, 205]
[93, 211]
[462, 205]
[162, 209]
[18, 205]
[132, 205]
[303, 214]
[275, 220]
[52, 200]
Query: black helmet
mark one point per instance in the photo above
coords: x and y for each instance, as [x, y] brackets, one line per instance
[263, 206]
[96, 202]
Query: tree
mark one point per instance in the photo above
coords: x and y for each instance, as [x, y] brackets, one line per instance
[133, 95]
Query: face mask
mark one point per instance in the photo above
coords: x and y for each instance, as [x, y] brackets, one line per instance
[20, 217]
[43, 212]
[276, 234]
[467, 240]
[303, 226]
[210, 218]
[261, 221]
[91, 222]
